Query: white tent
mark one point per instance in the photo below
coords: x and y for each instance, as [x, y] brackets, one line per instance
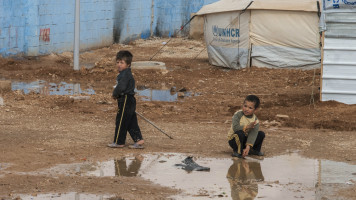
[262, 33]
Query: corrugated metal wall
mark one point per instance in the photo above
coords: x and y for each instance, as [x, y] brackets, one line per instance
[339, 59]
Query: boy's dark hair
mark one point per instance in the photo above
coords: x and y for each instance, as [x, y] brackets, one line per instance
[124, 55]
[254, 99]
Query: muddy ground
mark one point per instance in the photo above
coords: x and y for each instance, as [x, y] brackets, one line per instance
[40, 131]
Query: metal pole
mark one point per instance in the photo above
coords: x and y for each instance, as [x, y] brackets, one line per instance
[76, 35]
[153, 124]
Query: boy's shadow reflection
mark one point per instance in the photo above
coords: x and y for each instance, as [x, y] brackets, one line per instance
[121, 168]
[243, 177]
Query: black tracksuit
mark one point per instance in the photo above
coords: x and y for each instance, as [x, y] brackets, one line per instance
[126, 118]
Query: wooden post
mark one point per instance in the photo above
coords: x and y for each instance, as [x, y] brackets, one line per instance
[321, 62]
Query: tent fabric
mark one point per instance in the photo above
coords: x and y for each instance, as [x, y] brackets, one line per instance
[285, 57]
[295, 45]
[236, 5]
[286, 35]
[226, 47]
[284, 28]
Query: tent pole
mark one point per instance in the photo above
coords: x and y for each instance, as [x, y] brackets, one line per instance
[238, 39]
[250, 43]
[321, 63]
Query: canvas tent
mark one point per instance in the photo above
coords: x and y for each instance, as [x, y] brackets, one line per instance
[262, 33]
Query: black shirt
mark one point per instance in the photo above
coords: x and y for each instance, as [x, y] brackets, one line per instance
[125, 84]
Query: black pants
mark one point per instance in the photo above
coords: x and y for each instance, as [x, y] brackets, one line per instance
[238, 143]
[126, 120]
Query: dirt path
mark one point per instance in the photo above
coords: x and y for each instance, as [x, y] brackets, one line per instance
[41, 131]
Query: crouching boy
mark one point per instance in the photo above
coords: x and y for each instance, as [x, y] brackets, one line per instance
[244, 136]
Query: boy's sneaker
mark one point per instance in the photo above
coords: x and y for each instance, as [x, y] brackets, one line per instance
[114, 145]
[256, 153]
[235, 154]
[136, 146]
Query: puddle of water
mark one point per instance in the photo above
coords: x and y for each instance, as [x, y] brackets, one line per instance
[283, 177]
[45, 88]
[65, 196]
[3, 166]
[162, 95]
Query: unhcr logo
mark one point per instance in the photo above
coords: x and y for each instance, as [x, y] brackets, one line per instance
[347, 2]
[226, 32]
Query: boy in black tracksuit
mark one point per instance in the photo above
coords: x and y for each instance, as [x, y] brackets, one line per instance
[126, 118]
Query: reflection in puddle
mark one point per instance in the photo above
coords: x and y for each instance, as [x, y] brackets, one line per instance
[66, 196]
[243, 177]
[163, 95]
[45, 88]
[126, 166]
[282, 177]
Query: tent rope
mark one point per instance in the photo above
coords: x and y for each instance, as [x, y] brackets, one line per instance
[181, 28]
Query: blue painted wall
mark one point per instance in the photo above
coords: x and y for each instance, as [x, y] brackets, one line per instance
[39, 27]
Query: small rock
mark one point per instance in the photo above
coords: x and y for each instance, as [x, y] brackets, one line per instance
[102, 102]
[282, 116]
[20, 98]
[181, 94]
[80, 97]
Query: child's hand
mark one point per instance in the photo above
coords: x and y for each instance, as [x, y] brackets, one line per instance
[251, 125]
[245, 151]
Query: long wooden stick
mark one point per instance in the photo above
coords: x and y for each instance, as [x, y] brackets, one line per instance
[153, 124]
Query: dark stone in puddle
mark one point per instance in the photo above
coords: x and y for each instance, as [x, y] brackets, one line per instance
[173, 89]
[182, 89]
[141, 87]
[189, 165]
